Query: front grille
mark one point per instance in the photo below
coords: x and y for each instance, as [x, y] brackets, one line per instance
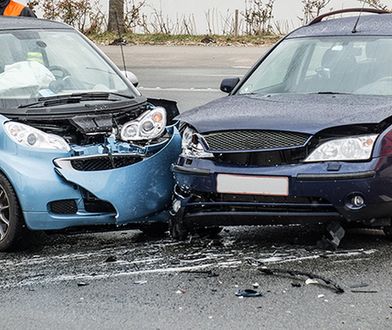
[67, 206]
[257, 203]
[106, 162]
[231, 141]
[266, 158]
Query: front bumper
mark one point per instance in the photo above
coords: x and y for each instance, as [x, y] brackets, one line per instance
[318, 192]
[136, 193]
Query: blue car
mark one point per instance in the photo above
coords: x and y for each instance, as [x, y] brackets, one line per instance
[79, 145]
[305, 136]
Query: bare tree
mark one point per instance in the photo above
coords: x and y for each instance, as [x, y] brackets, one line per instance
[312, 9]
[379, 4]
[258, 16]
[116, 20]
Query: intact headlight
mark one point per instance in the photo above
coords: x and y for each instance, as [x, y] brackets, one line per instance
[191, 145]
[352, 148]
[150, 125]
[34, 138]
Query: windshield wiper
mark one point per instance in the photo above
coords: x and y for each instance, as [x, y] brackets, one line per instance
[74, 98]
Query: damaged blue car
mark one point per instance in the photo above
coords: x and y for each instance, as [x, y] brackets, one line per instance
[79, 145]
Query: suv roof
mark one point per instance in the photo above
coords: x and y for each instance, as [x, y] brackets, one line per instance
[372, 25]
[24, 23]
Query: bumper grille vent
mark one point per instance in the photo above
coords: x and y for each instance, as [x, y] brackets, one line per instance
[67, 206]
[230, 141]
[101, 163]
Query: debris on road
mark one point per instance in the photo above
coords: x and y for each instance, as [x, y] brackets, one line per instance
[248, 293]
[296, 284]
[335, 234]
[255, 285]
[82, 284]
[180, 291]
[359, 285]
[311, 278]
[111, 259]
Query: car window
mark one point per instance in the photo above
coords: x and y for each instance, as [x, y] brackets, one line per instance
[36, 64]
[355, 65]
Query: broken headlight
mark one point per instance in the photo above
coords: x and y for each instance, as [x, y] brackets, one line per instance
[352, 148]
[192, 146]
[28, 136]
[150, 125]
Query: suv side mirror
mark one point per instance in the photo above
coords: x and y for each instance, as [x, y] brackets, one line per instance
[228, 84]
[131, 77]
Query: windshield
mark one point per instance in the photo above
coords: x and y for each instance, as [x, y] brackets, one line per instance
[41, 64]
[352, 65]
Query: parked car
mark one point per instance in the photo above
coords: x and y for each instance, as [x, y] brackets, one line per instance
[79, 145]
[305, 136]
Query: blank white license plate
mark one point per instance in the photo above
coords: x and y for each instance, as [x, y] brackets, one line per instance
[252, 185]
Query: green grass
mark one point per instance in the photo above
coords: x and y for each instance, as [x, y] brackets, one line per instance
[192, 40]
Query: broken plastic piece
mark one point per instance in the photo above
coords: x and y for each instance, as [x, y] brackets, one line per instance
[111, 259]
[248, 293]
[335, 233]
[296, 284]
[312, 278]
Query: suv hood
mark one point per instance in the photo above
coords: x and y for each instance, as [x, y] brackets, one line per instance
[308, 113]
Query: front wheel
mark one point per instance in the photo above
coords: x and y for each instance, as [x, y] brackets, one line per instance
[12, 228]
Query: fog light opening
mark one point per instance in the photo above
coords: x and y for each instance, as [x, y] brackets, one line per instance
[356, 202]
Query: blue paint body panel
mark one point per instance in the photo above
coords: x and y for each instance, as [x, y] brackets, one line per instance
[139, 193]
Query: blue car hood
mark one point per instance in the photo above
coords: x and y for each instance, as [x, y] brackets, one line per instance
[308, 113]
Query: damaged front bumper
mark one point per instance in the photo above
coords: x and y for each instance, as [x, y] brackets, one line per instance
[115, 184]
[318, 192]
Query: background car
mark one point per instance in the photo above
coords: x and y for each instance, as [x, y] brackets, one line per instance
[304, 137]
[79, 145]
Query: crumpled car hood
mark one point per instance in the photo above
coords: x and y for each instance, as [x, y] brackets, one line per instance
[308, 113]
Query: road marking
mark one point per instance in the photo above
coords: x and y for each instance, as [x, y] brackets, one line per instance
[241, 67]
[213, 90]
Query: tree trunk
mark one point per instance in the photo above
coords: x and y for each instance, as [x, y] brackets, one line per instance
[116, 16]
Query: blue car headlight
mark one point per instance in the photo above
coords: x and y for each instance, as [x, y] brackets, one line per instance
[31, 137]
[192, 145]
[150, 125]
[346, 149]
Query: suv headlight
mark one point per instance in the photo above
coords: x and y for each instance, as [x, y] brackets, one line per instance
[352, 148]
[28, 136]
[150, 125]
[191, 145]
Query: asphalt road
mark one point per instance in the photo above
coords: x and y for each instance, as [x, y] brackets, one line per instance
[126, 280]
[189, 75]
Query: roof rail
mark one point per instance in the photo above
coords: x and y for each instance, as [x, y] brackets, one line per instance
[349, 10]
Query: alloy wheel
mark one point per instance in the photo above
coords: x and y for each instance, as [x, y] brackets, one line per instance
[4, 213]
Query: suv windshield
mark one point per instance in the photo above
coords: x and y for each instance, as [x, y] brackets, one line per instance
[347, 65]
[40, 64]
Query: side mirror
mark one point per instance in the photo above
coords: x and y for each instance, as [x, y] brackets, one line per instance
[228, 84]
[131, 77]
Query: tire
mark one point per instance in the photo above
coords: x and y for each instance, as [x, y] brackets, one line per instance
[12, 227]
[210, 232]
[155, 229]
